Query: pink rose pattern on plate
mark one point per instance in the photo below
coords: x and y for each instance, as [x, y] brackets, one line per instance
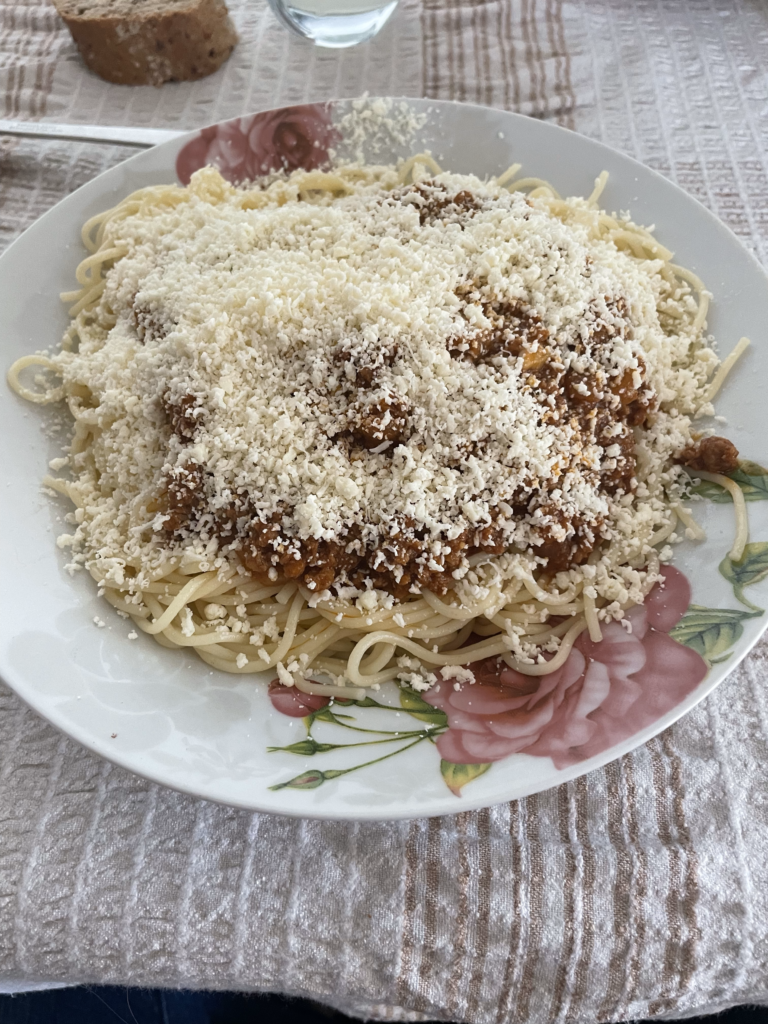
[293, 703]
[604, 693]
[247, 147]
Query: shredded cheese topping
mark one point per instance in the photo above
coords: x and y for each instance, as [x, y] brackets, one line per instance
[252, 311]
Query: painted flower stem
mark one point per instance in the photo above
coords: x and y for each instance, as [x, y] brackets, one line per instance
[312, 779]
[325, 715]
[311, 746]
[366, 702]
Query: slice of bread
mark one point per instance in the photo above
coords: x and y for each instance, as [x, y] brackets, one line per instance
[148, 42]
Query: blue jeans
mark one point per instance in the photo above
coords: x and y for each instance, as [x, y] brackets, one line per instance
[109, 1005]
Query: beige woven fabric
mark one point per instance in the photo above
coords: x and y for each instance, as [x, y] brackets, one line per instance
[639, 890]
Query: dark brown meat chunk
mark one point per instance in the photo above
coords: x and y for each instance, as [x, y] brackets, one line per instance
[635, 404]
[604, 332]
[440, 205]
[184, 498]
[151, 325]
[618, 478]
[329, 561]
[183, 415]
[370, 425]
[572, 550]
[401, 560]
[563, 554]
[711, 454]
[366, 362]
[261, 537]
[315, 563]
[517, 330]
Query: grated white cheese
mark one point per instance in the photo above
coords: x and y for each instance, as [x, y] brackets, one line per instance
[242, 311]
[459, 674]
[284, 675]
[375, 126]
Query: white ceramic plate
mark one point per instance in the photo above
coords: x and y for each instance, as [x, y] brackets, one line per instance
[165, 715]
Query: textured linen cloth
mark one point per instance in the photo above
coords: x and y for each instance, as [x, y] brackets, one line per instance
[638, 890]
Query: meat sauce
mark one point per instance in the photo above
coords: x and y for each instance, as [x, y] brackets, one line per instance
[401, 560]
[602, 406]
[711, 454]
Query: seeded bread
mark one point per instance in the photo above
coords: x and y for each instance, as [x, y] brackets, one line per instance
[148, 42]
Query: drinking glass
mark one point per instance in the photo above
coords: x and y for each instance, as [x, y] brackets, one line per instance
[334, 23]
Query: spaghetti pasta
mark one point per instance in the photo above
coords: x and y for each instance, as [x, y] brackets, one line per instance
[508, 597]
[739, 510]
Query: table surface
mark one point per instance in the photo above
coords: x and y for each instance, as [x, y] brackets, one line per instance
[638, 890]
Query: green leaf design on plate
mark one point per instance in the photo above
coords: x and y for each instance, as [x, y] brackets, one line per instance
[326, 714]
[752, 568]
[366, 702]
[751, 478]
[710, 631]
[458, 775]
[416, 706]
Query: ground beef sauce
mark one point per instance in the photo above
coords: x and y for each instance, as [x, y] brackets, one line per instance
[184, 499]
[150, 325]
[437, 204]
[395, 565]
[603, 407]
[711, 454]
[183, 415]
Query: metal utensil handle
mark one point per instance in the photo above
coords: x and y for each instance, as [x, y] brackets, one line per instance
[142, 138]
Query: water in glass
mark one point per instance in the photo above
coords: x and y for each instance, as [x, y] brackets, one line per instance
[334, 23]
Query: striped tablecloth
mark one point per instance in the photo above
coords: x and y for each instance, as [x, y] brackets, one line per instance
[640, 890]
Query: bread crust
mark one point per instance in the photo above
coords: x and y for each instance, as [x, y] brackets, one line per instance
[177, 45]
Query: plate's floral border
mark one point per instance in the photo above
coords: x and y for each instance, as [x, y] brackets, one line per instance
[275, 140]
[603, 694]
